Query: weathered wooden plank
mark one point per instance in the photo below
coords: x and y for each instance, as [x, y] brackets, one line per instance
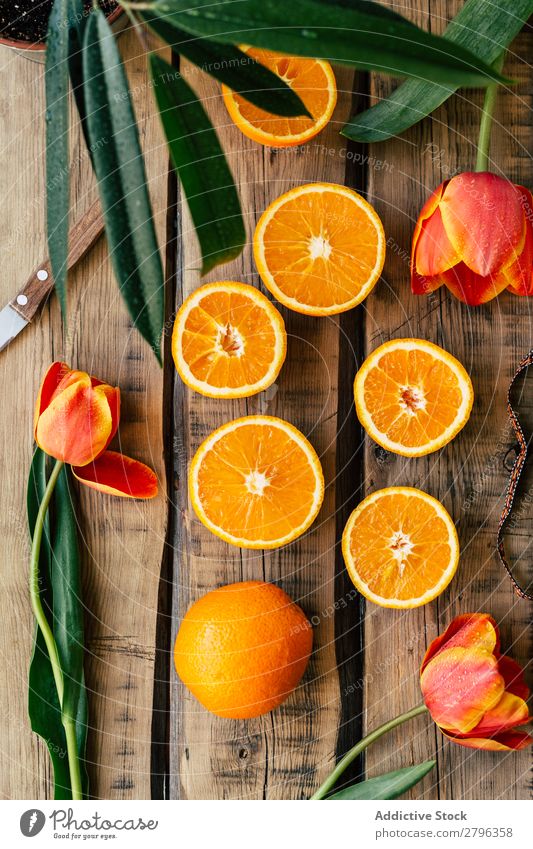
[469, 475]
[25, 771]
[287, 753]
[124, 539]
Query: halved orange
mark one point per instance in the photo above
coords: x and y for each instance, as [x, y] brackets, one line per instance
[412, 397]
[256, 482]
[229, 341]
[400, 547]
[319, 248]
[314, 82]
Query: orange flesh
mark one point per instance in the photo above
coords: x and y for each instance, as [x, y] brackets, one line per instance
[412, 397]
[256, 483]
[228, 340]
[321, 248]
[400, 547]
[306, 77]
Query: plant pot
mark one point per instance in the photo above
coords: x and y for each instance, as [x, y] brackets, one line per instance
[36, 50]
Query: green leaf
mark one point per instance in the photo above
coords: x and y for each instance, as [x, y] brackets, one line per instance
[485, 27]
[78, 16]
[200, 162]
[388, 786]
[67, 601]
[56, 575]
[354, 33]
[231, 66]
[56, 79]
[119, 167]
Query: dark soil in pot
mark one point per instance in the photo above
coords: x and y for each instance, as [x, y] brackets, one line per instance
[27, 20]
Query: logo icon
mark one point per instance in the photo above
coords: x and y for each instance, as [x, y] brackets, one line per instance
[32, 822]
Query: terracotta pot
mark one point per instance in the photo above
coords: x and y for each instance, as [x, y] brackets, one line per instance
[36, 51]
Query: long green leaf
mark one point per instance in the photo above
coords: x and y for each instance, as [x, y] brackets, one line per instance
[67, 604]
[388, 786]
[354, 33]
[43, 704]
[56, 78]
[200, 162]
[119, 167]
[78, 16]
[231, 66]
[485, 27]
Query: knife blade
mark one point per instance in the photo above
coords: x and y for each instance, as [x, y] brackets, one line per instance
[11, 323]
[19, 312]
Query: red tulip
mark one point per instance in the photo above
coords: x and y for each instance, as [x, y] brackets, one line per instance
[475, 235]
[76, 417]
[475, 695]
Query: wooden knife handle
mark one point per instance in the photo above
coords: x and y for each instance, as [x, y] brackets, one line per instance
[82, 237]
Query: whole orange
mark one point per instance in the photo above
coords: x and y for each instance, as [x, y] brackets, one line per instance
[243, 648]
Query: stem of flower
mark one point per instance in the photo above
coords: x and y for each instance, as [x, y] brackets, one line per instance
[42, 621]
[350, 756]
[73, 758]
[485, 126]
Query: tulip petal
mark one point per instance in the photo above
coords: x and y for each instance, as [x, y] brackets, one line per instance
[470, 630]
[113, 399]
[427, 211]
[49, 384]
[509, 712]
[116, 474]
[484, 219]
[519, 275]
[508, 741]
[423, 285]
[472, 288]
[76, 424]
[459, 685]
[513, 676]
[434, 251]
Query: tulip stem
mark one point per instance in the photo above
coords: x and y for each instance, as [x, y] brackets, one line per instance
[485, 126]
[354, 752]
[44, 625]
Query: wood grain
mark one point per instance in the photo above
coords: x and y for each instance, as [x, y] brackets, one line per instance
[25, 770]
[469, 476]
[285, 754]
[123, 539]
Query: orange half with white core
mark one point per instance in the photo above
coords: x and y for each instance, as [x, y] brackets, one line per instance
[256, 482]
[400, 547]
[412, 397]
[320, 248]
[313, 81]
[229, 341]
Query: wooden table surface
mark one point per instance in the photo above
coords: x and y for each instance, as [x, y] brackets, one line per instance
[144, 563]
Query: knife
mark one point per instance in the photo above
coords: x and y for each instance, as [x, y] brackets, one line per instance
[19, 312]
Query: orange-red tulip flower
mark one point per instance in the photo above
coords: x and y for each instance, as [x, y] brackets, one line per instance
[475, 695]
[475, 236]
[76, 417]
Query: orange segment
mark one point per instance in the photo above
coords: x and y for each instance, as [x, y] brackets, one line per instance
[256, 482]
[319, 248]
[314, 82]
[229, 341]
[412, 397]
[400, 547]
